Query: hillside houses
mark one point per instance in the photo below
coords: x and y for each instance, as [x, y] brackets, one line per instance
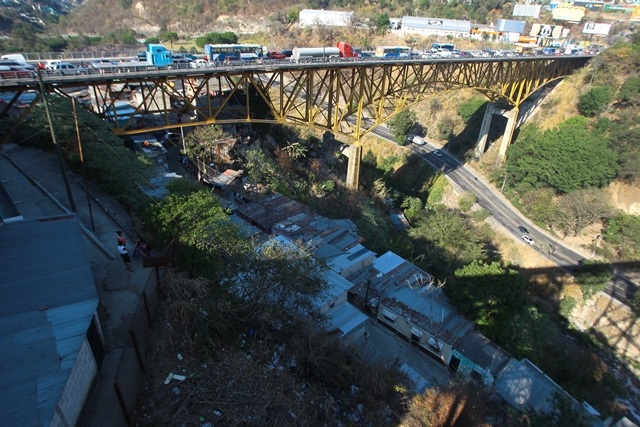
[398, 295]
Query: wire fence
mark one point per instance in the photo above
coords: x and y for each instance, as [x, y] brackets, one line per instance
[48, 56]
[122, 397]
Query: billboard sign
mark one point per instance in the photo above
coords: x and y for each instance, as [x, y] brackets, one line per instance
[527, 10]
[546, 31]
[635, 16]
[599, 29]
[510, 26]
[566, 12]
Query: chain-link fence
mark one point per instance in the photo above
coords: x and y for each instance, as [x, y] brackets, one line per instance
[122, 398]
[48, 56]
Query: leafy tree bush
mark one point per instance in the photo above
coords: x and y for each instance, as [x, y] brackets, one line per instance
[412, 206]
[294, 15]
[401, 125]
[488, 294]
[152, 40]
[382, 23]
[623, 235]
[594, 276]
[466, 201]
[566, 307]
[217, 38]
[570, 157]
[472, 107]
[109, 164]
[595, 101]
[565, 414]
[527, 333]
[436, 192]
[630, 91]
[374, 227]
[263, 170]
[446, 127]
[447, 241]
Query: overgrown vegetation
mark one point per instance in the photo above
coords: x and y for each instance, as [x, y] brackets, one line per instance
[109, 164]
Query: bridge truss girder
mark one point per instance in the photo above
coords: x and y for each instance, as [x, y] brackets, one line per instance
[349, 98]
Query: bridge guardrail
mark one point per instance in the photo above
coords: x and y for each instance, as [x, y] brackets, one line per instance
[47, 56]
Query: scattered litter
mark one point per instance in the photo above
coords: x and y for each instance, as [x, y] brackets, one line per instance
[179, 377]
[180, 356]
[218, 413]
[168, 380]
[175, 390]
[204, 313]
[292, 414]
[206, 425]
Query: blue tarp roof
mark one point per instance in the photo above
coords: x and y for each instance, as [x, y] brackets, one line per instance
[48, 300]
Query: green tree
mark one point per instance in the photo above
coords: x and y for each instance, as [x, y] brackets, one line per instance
[594, 276]
[445, 240]
[566, 307]
[630, 91]
[570, 157]
[207, 237]
[374, 228]
[217, 38]
[635, 304]
[474, 106]
[527, 333]
[488, 294]
[595, 101]
[294, 14]
[382, 23]
[466, 201]
[203, 143]
[263, 170]
[152, 40]
[402, 124]
[109, 164]
[623, 235]
[170, 36]
[412, 206]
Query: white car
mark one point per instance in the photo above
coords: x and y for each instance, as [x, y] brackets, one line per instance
[528, 239]
[437, 153]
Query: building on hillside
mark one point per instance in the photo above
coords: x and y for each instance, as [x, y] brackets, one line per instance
[269, 211]
[400, 296]
[477, 357]
[523, 384]
[332, 18]
[50, 335]
[436, 27]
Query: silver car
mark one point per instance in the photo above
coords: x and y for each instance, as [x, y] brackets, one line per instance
[67, 69]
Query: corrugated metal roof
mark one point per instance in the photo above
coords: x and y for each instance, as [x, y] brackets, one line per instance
[429, 310]
[49, 298]
[437, 24]
[346, 318]
[483, 352]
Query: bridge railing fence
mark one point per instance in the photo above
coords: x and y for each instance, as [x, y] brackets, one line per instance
[48, 56]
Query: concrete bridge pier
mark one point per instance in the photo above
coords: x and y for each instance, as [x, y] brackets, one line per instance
[512, 119]
[353, 152]
[484, 130]
[512, 116]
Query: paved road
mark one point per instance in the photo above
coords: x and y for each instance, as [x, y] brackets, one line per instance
[620, 287]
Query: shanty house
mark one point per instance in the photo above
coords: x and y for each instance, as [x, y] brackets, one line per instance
[50, 336]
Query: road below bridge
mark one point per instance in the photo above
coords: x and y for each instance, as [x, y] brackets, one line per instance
[620, 288]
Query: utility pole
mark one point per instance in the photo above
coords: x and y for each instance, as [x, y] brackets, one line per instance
[84, 170]
[56, 143]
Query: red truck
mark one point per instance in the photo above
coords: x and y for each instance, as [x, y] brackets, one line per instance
[273, 54]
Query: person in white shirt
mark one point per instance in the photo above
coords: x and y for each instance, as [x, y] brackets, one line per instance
[125, 256]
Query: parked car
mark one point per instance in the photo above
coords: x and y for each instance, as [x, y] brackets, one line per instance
[14, 72]
[523, 230]
[102, 61]
[200, 63]
[67, 69]
[287, 53]
[10, 63]
[437, 153]
[528, 239]
[274, 54]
